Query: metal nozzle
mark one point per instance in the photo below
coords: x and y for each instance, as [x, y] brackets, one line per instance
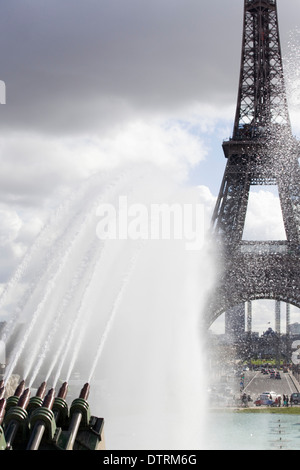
[60, 407]
[63, 391]
[85, 391]
[16, 417]
[24, 399]
[20, 389]
[12, 401]
[37, 401]
[41, 390]
[42, 418]
[2, 409]
[79, 412]
[49, 399]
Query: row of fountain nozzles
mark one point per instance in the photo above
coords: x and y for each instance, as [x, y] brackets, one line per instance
[44, 421]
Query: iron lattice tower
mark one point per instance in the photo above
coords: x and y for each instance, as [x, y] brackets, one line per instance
[262, 151]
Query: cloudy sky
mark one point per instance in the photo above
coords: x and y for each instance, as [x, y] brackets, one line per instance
[102, 84]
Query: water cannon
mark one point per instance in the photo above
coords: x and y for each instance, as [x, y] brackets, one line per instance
[16, 420]
[79, 415]
[42, 420]
[2, 414]
[37, 401]
[20, 389]
[13, 400]
[2, 389]
[2, 409]
[60, 406]
[45, 422]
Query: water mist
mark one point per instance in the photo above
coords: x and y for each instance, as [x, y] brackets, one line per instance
[123, 314]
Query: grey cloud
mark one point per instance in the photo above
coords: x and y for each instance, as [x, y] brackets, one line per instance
[75, 63]
[71, 63]
[71, 66]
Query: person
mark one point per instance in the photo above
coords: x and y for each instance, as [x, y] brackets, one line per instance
[279, 400]
[287, 400]
[284, 400]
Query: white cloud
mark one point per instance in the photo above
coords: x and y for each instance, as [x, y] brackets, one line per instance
[34, 166]
[39, 171]
[166, 145]
[17, 233]
[10, 226]
[264, 217]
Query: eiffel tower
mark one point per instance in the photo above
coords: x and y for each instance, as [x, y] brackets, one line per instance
[262, 151]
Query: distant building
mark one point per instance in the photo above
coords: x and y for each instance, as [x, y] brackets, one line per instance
[295, 329]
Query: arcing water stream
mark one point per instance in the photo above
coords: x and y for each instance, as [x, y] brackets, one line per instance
[124, 314]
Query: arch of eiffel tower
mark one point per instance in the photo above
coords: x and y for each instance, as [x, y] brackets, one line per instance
[261, 151]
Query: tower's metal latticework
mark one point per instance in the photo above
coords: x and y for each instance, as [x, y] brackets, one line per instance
[262, 151]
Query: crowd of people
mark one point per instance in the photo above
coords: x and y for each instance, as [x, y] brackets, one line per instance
[278, 401]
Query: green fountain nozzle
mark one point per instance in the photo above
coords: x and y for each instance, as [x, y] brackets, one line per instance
[20, 389]
[41, 391]
[37, 400]
[13, 400]
[49, 399]
[79, 414]
[63, 391]
[41, 420]
[60, 407]
[15, 417]
[2, 414]
[85, 391]
[2, 409]
[80, 406]
[24, 399]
